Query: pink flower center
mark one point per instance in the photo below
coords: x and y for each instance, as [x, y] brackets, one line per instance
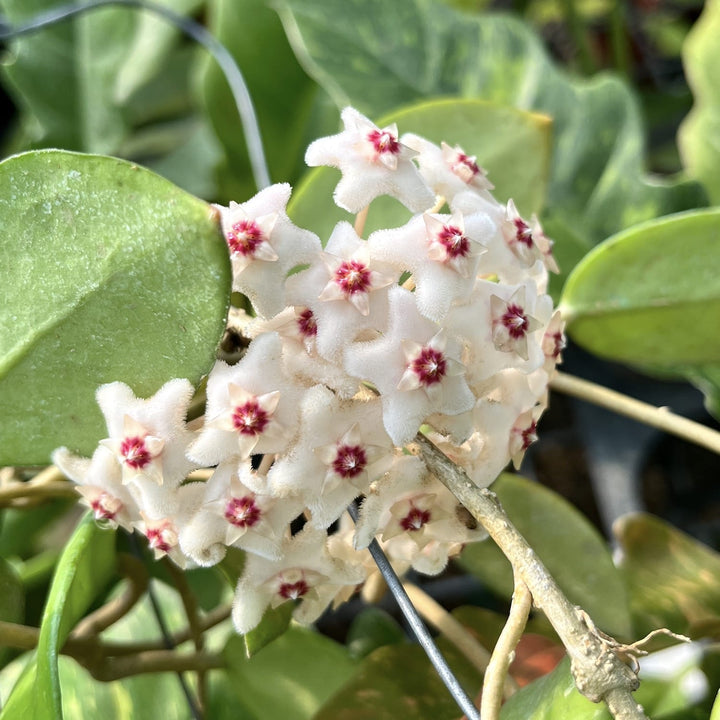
[306, 323]
[135, 453]
[529, 435]
[350, 461]
[293, 591]
[162, 538]
[242, 512]
[384, 142]
[454, 242]
[415, 519]
[463, 161]
[556, 343]
[352, 276]
[515, 321]
[429, 366]
[106, 506]
[523, 233]
[249, 418]
[244, 237]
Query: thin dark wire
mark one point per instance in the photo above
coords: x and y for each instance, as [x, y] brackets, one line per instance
[418, 627]
[165, 632]
[193, 30]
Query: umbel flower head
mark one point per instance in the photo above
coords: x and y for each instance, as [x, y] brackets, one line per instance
[442, 325]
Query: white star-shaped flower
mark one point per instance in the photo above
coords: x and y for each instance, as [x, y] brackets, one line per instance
[373, 162]
[264, 246]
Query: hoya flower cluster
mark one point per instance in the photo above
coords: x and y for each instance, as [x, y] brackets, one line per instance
[442, 325]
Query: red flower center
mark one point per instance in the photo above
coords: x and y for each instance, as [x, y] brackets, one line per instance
[135, 453]
[350, 461]
[293, 591]
[523, 233]
[242, 512]
[244, 237]
[106, 507]
[306, 323]
[161, 538]
[467, 162]
[353, 276]
[384, 142]
[454, 242]
[249, 418]
[415, 519]
[515, 321]
[529, 435]
[429, 366]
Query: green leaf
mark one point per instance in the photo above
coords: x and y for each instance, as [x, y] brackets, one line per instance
[672, 578]
[281, 91]
[398, 681]
[371, 629]
[516, 157]
[551, 697]
[274, 623]
[109, 273]
[63, 76]
[291, 677]
[86, 565]
[651, 294]
[700, 130]
[572, 549]
[12, 599]
[715, 714]
[378, 55]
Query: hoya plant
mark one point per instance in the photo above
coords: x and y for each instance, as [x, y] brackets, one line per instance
[247, 422]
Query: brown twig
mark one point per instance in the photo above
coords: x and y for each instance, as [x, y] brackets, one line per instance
[496, 675]
[599, 673]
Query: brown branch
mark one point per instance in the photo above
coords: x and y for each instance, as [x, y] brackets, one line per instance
[497, 671]
[657, 417]
[599, 673]
[154, 661]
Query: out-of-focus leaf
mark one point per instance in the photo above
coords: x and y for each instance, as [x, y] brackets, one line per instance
[291, 677]
[12, 599]
[64, 75]
[651, 293]
[571, 548]
[274, 623]
[86, 565]
[672, 578]
[395, 681]
[715, 714]
[514, 147]
[75, 81]
[109, 273]
[552, 697]
[281, 92]
[378, 55]
[700, 131]
[371, 629]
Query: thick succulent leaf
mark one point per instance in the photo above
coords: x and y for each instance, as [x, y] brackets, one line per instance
[378, 55]
[514, 147]
[110, 273]
[85, 567]
[281, 91]
[651, 294]
[291, 677]
[371, 629]
[701, 129]
[672, 578]
[274, 623]
[571, 548]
